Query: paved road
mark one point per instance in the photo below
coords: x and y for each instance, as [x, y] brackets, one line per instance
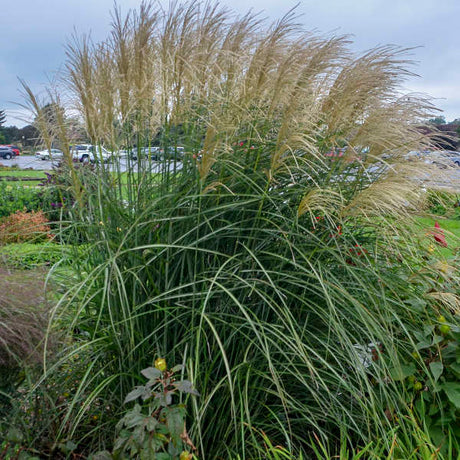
[25, 162]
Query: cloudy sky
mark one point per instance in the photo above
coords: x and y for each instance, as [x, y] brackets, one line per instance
[34, 35]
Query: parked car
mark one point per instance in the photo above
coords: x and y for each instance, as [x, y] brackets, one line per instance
[14, 148]
[6, 153]
[85, 153]
[52, 154]
[121, 153]
[153, 153]
[441, 158]
[171, 153]
[452, 156]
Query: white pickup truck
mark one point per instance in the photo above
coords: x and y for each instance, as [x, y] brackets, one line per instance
[86, 153]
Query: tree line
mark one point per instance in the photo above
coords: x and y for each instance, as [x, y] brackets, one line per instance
[27, 136]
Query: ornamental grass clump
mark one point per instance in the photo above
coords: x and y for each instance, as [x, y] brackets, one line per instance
[240, 259]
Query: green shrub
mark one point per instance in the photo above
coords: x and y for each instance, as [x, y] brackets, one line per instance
[16, 198]
[430, 376]
[444, 204]
[30, 255]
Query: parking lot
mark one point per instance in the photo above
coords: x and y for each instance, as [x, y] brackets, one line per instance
[30, 162]
[448, 179]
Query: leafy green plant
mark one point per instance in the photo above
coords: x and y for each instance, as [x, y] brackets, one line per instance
[444, 204]
[155, 429]
[16, 198]
[431, 376]
[30, 255]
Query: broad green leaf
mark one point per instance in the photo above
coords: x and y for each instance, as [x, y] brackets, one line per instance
[177, 368]
[437, 339]
[163, 456]
[70, 446]
[14, 435]
[403, 371]
[455, 367]
[133, 419]
[120, 443]
[103, 455]
[175, 417]
[436, 369]
[138, 434]
[452, 390]
[150, 423]
[416, 303]
[134, 394]
[151, 373]
[186, 386]
[423, 344]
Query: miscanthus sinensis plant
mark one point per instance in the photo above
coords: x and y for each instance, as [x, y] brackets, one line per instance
[273, 259]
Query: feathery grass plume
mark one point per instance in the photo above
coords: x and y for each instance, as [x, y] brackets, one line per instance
[51, 122]
[36, 107]
[261, 259]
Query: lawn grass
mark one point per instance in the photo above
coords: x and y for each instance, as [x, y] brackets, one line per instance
[22, 173]
[22, 177]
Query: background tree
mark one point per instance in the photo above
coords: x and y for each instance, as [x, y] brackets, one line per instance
[437, 121]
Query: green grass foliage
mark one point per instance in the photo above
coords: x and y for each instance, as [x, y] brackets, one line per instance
[287, 281]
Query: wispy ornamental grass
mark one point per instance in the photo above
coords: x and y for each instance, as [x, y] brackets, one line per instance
[283, 278]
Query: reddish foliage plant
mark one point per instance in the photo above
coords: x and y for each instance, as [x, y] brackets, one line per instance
[24, 226]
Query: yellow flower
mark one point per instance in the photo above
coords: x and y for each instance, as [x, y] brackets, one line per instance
[160, 364]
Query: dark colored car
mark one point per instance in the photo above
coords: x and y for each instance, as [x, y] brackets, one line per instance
[153, 153]
[14, 148]
[172, 153]
[6, 153]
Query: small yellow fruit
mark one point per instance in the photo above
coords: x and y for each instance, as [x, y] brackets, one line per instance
[444, 267]
[185, 455]
[415, 355]
[444, 329]
[411, 378]
[418, 386]
[160, 364]
[441, 319]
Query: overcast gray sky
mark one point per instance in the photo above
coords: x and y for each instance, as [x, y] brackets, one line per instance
[34, 33]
